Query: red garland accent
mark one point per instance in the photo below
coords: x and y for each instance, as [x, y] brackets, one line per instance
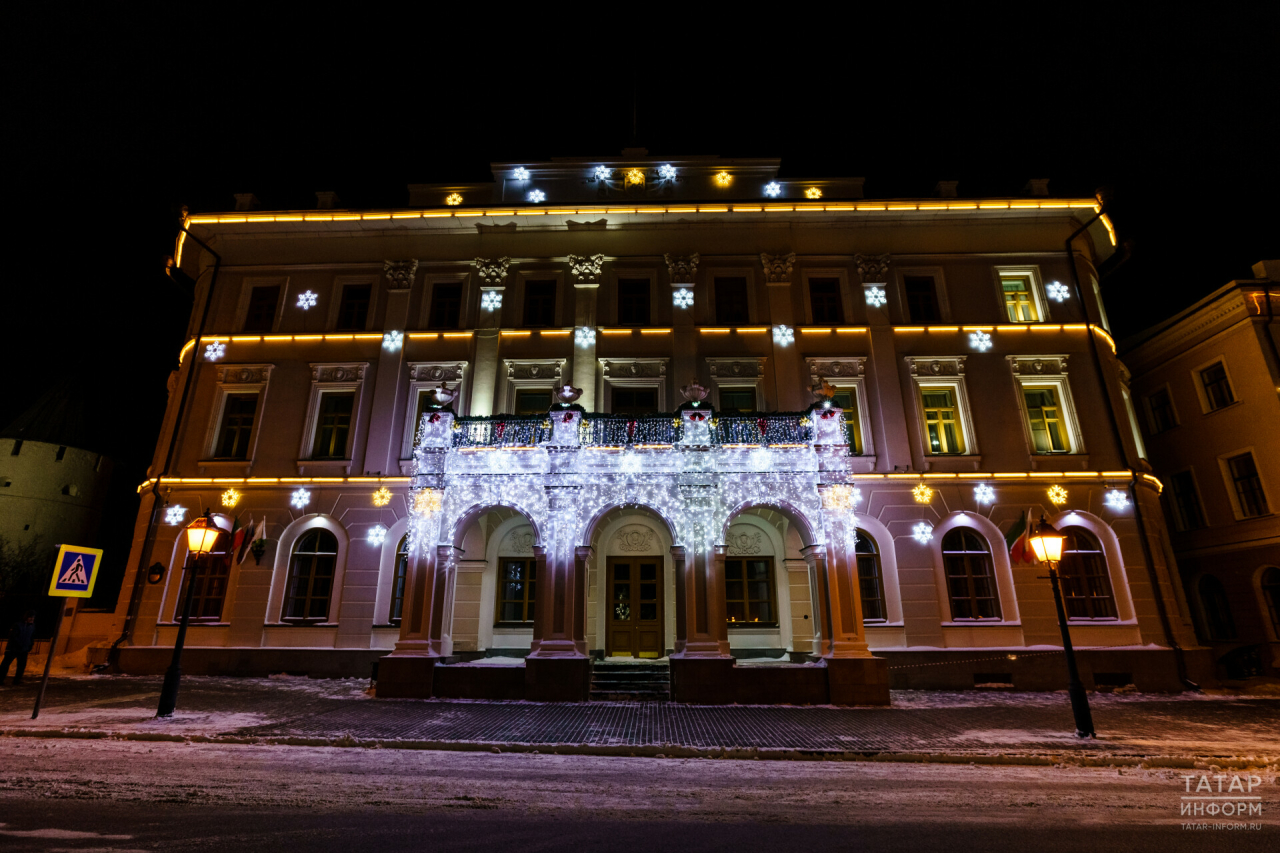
[568, 416]
[435, 419]
[697, 416]
[498, 429]
[631, 430]
[828, 414]
[762, 423]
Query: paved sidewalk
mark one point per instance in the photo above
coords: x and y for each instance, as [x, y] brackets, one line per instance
[972, 723]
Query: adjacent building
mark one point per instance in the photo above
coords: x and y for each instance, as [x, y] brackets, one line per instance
[1206, 383]
[771, 432]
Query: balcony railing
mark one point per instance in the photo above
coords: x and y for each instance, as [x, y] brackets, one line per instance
[603, 430]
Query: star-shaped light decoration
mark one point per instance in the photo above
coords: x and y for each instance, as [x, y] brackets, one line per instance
[382, 497]
[215, 350]
[376, 535]
[1057, 291]
[922, 493]
[584, 336]
[230, 498]
[300, 498]
[981, 341]
[175, 514]
[427, 501]
[842, 498]
[723, 178]
[1117, 499]
[1057, 495]
[520, 173]
[923, 533]
[306, 300]
[491, 300]
[682, 298]
[783, 335]
[537, 196]
[813, 192]
[603, 173]
[453, 199]
[635, 177]
[773, 189]
[983, 494]
[667, 172]
[876, 297]
[392, 341]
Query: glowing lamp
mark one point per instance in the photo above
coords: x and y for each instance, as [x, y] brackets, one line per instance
[202, 535]
[1047, 542]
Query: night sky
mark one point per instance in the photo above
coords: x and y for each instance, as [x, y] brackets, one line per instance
[114, 124]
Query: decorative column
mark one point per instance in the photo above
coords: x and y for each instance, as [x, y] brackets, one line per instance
[382, 449]
[493, 277]
[894, 449]
[682, 272]
[788, 380]
[586, 284]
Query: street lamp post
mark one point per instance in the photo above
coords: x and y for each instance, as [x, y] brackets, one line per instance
[1047, 543]
[202, 536]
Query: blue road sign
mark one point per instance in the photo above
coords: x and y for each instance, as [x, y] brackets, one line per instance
[75, 571]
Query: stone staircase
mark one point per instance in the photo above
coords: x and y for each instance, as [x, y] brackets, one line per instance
[631, 682]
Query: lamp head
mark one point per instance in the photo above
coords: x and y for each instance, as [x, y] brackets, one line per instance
[1046, 541]
[203, 533]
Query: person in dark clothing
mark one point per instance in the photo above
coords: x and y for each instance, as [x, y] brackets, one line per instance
[21, 638]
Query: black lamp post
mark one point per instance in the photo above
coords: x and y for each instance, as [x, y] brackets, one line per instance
[1047, 543]
[202, 536]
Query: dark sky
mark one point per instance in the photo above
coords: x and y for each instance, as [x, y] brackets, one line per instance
[114, 123]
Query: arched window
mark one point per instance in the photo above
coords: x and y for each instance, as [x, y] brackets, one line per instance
[971, 581]
[397, 584]
[210, 578]
[1086, 583]
[315, 556]
[870, 580]
[1270, 582]
[1218, 621]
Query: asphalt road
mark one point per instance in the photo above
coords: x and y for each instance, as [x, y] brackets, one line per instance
[78, 795]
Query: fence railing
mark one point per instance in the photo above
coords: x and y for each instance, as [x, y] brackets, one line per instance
[621, 431]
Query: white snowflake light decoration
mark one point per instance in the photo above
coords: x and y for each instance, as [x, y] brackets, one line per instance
[603, 173]
[520, 174]
[667, 172]
[923, 533]
[682, 298]
[876, 297]
[773, 189]
[491, 300]
[783, 335]
[300, 498]
[392, 341]
[377, 535]
[983, 494]
[1057, 291]
[537, 196]
[585, 336]
[175, 514]
[1117, 499]
[306, 300]
[215, 350]
[980, 341]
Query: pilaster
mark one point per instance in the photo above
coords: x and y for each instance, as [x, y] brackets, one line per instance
[586, 284]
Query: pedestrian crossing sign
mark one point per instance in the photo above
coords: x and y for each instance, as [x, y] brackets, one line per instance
[75, 571]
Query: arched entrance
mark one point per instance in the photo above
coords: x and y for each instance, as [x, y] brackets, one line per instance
[631, 586]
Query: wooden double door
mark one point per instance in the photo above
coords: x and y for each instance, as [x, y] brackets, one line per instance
[635, 627]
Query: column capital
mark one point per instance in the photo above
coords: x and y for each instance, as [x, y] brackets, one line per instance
[586, 269]
[400, 273]
[777, 268]
[584, 552]
[872, 269]
[492, 272]
[682, 269]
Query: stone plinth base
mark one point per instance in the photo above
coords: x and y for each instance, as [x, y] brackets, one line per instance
[407, 677]
[702, 681]
[557, 679]
[857, 681]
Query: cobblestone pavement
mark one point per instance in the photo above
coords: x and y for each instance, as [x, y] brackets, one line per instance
[919, 721]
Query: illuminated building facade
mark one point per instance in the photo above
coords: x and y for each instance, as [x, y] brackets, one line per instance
[571, 415]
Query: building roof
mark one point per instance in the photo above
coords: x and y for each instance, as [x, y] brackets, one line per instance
[62, 416]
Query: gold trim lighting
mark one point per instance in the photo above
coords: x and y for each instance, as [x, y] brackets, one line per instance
[453, 199]
[1057, 495]
[813, 192]
[723, 178]
[230, 498]
[922, 493]
[635, 178]
[382, 497]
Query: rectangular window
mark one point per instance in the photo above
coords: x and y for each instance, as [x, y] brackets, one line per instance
[1248, 485]
[748, 592]
[635, 401]
[1045, 416]
[333, 425]
[942, 421]
[1186, 503]
[446, 305]
[532, 401]
[237, 424]
[922, 299]
[847, 400]
[210, 579]
[516, 588]
[539, 304]
[1160, 405]
[633, 302]
[1217, 388]
[824, 299]
[353, 310]
[735, 400]
[261, 316]
[1019, 302]
[731, 301]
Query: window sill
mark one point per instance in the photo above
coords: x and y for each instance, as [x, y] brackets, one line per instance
[982, 623]
[300, 624]
[1208, 412]
[752, 626]
[324, 465]
[194, 624]
[513, 626]
[385, 625]
[884, 624]
[1059, 462]
[244, 466]
[952, 463]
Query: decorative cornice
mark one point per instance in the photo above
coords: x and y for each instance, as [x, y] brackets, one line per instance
[492, 273]
[744, 540]
[682, 268]
[777, 268]
[535, 369]
[640, 368]
[349, 372]
[1037, 365]
[948, 365]
[436, 371]
[586, 268]
[825, 368]
[244, 374]
[872, 269]
[635, 538]
[737, 368]
[400, 273]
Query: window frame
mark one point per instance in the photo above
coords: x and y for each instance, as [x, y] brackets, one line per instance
[423, 376]
[1068, 580]
[529, 601]
[1229, 481]
[1036, 286]
[335, 302]
[552, 370]
[246, 299]
[876, 558]
[993, 576]
[235, 379]
[220, 560]
[219, 440]
[464, 282]
[745, 372]
[900, 276]
[525, 282]
[1178, 520]
[649, 276]
[324, 381]
[771, 582]
[1209, 624]
[954, 381]
[1202, 395]
[1150, 410]
[712, 316]
[334, 579]
[851, 377]
[398, 593]
[844, 296]
[1046, 371]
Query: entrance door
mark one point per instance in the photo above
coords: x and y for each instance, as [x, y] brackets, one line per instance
[635, 607]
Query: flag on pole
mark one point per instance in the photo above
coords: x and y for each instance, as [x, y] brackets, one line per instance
[1018, 540]
[244, 538]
